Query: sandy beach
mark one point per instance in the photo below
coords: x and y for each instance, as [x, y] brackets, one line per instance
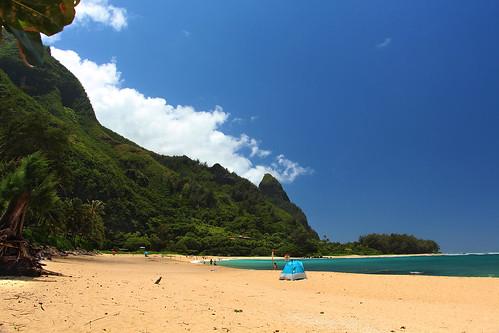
[118, 294]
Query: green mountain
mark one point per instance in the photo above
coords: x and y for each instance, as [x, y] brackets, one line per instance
[162, 202]
[271, 188]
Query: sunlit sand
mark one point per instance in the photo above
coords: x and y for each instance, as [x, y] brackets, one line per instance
[118, 294]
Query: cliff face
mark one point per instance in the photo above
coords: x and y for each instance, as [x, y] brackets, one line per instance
[273, 190]
[271, 187]
[171, 202]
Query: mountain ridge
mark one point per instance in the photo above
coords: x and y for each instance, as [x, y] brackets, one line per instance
[162, 202]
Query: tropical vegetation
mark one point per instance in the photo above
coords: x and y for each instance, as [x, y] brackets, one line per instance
[162, 202]
[398, 244]
[91, 188]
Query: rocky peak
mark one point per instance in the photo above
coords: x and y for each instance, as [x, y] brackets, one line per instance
[272, 188]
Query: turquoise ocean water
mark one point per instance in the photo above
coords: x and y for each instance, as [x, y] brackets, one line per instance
[484, 265]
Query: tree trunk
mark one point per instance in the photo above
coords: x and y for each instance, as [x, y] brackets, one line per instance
[16, 256]
[12, 221]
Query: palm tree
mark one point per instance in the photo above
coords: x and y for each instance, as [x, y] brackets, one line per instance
[30, 187]
[84, 221]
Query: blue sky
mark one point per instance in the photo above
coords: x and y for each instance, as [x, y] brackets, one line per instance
[379, 116]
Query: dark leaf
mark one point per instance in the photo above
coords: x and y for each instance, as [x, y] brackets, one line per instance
[26, 19]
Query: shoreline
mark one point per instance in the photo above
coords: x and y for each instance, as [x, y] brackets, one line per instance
[349, 256]
[199, 258]
[452, 266]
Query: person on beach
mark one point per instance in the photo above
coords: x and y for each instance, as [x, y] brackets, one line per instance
[211, 261]
[275, 266]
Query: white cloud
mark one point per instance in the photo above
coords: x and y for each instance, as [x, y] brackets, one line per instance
[102, 12]
[172, 130]
[50, 40]
[99, 11]
[289, 169]
[255, 149]
[384, 43]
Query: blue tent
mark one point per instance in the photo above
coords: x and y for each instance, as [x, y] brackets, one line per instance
[293, 270]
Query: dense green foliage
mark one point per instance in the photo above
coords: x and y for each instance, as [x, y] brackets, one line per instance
[31, 176]
[398, 244]
[165, 203]
[115, 194]
[30, 188]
